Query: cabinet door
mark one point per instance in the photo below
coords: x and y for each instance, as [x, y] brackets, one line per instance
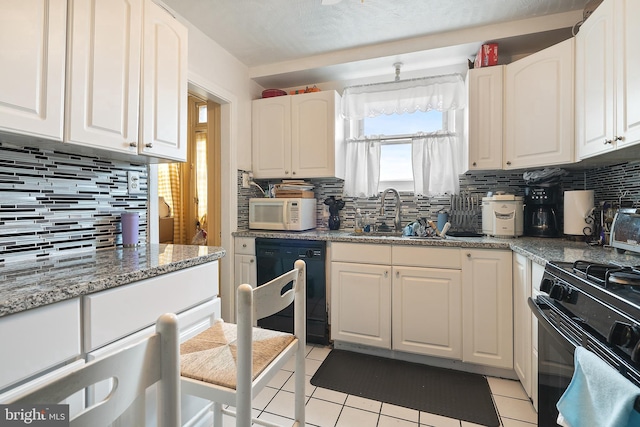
[594, 83]
[522, 350]
[245, 270]
[361, 304]
[314, 119]
[539, 118]
[32, 48]
[103, 74]
[487, 310]
[427, 317]
[271, 137]
[163, 115]
[627, 64]
[485, 118]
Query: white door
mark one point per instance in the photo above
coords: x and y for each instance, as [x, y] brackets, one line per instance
[245, 270]
[103, 76]
[32, 48]
[487, 310]
[539, 117]
[313, 121]
[594, 83]
[522, 351]
[627, 66]
[163, 114]
[427, 312]
[271, 137]
[485, 118]
[361, 304]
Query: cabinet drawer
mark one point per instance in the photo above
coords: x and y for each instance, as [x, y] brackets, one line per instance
[245, 246]
[426, 256]
[118, 312]
[361, 253]
[37, 339]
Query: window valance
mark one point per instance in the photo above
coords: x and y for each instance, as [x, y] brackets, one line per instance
[441, 93]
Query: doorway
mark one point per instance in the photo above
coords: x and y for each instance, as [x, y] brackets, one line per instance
[189, 195]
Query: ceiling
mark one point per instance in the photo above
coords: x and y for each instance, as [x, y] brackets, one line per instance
[295, 42]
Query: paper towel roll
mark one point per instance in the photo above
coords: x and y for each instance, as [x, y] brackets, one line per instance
[578, 205]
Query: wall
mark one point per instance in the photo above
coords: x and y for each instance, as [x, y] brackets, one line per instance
[610, 183]
[53, 203]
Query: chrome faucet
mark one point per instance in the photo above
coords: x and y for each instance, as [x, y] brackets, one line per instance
[396, 221]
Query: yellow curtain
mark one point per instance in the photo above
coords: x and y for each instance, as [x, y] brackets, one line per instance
[169, 188]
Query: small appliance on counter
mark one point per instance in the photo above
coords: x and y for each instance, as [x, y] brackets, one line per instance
[291, 214]
[541, 211]
[502, 215]
[578, 213]
[625, 230]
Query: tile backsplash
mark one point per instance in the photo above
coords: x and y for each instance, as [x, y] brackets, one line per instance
[53, 202]
[611, 183]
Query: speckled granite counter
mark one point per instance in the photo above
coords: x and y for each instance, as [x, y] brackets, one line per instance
[30, 284]
[537, 249]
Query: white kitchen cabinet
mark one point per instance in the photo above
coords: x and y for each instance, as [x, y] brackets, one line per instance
[426, 311]
[539, 108]
[32, 48]
[537, 272]
[103, 74]
[298, 136]
[361, 294]
[485, 117]
[608, 79]
[487, 308]
[39, 339]
[127, 79]
[163, 113]
[522, 322]
[245, 267]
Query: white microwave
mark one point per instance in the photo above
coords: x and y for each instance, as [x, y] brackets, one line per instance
[282, 214]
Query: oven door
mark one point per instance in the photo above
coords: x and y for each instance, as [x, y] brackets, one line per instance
[558, 336]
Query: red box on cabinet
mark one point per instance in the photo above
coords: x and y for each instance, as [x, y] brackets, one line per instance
[487, 55]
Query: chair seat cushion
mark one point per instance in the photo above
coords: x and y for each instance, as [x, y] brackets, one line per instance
[211, 355]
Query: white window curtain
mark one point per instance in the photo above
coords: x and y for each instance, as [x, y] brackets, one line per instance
[441, 93]
[436, 157]
[362, 173]
[436, 166]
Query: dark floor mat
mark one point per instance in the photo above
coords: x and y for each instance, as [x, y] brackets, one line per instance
[445, 392]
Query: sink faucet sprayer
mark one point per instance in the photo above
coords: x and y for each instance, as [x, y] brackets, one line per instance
[396, 221]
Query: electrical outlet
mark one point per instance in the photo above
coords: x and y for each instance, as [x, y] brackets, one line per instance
[133, 182]
[245, 180]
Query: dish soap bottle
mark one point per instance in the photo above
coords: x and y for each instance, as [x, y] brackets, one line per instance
[359, 222]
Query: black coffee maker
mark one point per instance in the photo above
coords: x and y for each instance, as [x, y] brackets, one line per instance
[541, 211]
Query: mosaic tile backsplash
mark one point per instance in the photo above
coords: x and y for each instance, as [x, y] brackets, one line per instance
[617, 183]
[52, 202]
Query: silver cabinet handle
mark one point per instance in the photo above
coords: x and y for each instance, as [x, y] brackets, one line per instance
[148, 145]
[244, 245]
[133, 144]
[250, 261]
[474, 164]
[608, 141]
[398, 274]
[386, 274]
[508, 163]
[468, 255]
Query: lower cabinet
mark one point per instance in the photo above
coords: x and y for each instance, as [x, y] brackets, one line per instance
[443, 302]
[522, 360]
[487, 307]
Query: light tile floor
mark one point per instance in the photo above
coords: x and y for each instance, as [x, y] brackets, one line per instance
[328, 408]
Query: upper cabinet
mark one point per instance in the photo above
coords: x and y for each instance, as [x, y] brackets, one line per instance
[521, 114]
[110, 47]
[103, 76]
[538, 109]
[485, 117]
[608, 79]
[298, 136]
[32, 41]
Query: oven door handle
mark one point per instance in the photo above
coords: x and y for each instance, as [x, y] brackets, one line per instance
[544, 321]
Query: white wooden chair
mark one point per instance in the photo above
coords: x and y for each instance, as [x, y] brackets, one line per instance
[133, 369]
[210, 369]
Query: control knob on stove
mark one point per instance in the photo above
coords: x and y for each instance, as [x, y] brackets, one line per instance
[546, 284]
[559, 292]
[625, 335]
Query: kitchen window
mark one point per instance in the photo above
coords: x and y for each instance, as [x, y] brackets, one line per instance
[395, 132]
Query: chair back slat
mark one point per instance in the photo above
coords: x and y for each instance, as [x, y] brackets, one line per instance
[269, 299]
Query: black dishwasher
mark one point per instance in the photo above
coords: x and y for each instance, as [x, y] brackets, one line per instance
[275, 257]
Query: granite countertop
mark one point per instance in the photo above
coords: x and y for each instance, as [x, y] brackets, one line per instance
[30, 284]
[539, 250]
